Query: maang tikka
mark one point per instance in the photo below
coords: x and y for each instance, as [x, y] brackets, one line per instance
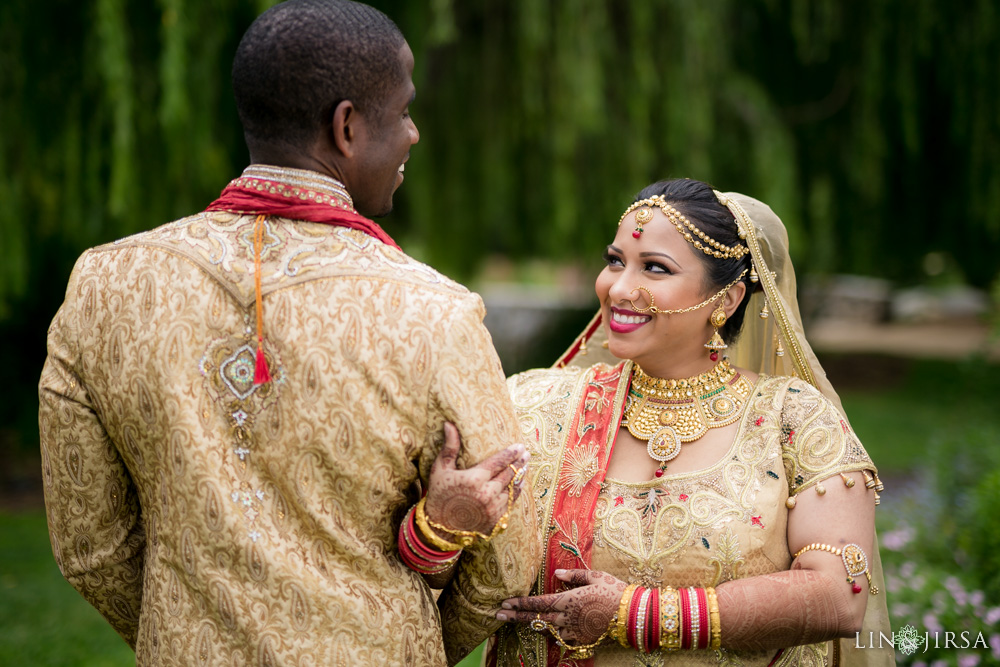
[641, 218]
[717, 319]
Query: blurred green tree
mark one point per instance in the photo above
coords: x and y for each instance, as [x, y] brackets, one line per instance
[870, 126]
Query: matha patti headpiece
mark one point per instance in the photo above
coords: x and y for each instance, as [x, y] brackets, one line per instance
[686, 228]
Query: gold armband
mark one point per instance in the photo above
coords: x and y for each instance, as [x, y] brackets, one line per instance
[854, 559]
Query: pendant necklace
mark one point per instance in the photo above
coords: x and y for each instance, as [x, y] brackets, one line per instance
[667, 413]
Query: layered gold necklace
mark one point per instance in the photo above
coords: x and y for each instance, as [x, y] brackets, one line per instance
[667, 413]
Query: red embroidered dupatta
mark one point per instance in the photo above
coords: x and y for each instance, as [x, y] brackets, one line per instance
[584, 463]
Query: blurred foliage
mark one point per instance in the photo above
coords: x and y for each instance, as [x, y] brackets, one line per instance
[933, 435]
[870, 126]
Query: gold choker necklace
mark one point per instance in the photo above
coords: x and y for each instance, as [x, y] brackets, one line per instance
[668, 412]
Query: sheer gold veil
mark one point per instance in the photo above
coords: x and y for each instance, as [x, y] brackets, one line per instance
[771, 342]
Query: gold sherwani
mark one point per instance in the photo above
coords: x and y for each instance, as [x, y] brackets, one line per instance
[212, 521]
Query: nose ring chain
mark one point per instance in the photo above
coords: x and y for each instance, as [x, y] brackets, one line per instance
[653, 310]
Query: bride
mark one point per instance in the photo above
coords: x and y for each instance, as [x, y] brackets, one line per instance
[701, 498]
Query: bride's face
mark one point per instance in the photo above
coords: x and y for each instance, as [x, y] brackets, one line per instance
[665, 264]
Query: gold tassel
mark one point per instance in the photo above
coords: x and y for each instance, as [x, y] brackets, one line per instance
[764, 312]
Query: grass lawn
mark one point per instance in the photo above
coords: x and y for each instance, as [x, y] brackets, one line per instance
[905, 414]
[43, 621]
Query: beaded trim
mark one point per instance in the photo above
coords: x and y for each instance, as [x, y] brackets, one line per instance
[300, 183]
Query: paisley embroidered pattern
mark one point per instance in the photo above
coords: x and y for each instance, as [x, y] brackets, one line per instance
[268, 519]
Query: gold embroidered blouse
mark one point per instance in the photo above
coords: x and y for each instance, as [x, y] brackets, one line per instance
[699, 529]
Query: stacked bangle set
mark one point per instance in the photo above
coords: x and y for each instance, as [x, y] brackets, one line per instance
[419, 557]
[427, 560]
[650, 619]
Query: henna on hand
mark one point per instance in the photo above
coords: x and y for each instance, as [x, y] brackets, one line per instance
[582, 613]
[476, 498]
[592, 605]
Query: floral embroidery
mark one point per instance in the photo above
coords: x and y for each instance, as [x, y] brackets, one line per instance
[250, 500]
[581, 467]
[682, 497]
[760, 420]
[572, 541]
[772, 474]
[228, 369]
[653, 498]
[729, 558]
[756, 521]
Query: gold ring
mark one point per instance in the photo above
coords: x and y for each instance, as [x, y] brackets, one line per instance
[651, 308]
[538, 625]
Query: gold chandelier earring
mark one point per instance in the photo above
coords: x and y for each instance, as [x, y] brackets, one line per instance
[715, 343]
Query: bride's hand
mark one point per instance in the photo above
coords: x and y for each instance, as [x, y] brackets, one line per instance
[581, 614]
[474, 498]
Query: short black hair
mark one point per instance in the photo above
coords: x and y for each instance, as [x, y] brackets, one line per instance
[698, 203]
[302, 58]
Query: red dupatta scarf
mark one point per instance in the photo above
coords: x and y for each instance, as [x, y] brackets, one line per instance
[584, 463]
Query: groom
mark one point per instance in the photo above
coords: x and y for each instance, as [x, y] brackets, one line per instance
[238, 407]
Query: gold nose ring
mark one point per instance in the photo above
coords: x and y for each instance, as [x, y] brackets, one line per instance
[651, 308]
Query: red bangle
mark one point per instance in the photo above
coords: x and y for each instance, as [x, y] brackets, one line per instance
[413, 560]
[653, 643]
[427, 552]
[416, 555]
[686, 615]
[633, 613]
[703, 617]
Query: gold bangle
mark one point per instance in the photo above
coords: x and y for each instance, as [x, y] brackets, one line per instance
[713, 615]
[432, 537]
[670, 619]
[623, 605]
[579, 652]
[467, 537]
